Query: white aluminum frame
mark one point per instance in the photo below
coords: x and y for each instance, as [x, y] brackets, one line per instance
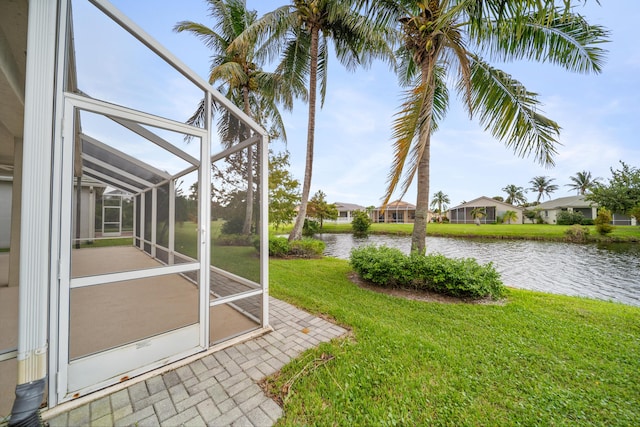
[43, 283]
[162, 348]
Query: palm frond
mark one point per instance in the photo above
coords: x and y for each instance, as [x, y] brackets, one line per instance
[406, 127]
[230, 73]
[510, 113]
[208, 36]
[563, 39]
[294, 66]
[323, 67]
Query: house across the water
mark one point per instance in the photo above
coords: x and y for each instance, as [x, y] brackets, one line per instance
[491, 208]
[549, 210]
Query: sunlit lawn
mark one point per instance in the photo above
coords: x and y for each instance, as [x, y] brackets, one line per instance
[539, 359]
[522, 231]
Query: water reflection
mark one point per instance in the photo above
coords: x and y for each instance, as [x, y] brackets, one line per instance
[607, 272]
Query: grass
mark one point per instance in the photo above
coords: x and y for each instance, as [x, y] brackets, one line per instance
[540, 359]
[502, 231]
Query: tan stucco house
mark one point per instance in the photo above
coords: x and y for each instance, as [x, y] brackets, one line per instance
[549, 210]
[493, 209]
[397, 211]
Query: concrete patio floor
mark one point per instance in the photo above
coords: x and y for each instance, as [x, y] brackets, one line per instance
[217, 389]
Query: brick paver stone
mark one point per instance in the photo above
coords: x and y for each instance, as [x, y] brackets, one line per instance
[218, 390]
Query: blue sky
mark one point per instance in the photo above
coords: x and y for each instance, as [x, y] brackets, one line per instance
[599, 114]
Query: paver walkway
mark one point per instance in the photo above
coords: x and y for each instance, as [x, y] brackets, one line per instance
[217, 390]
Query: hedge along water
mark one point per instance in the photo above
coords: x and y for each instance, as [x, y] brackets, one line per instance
[606, 272]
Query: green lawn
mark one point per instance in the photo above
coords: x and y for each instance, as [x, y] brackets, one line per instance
[540, 359]
[512, 231]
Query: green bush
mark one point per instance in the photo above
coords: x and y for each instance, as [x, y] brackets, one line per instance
[587, 221]
[234, 240]
[381, 265]
[310, 227]
[360, 223]
[577, 233]
[279, 246]
[569, 218]
[462, 277]
[305, 248]
[233, 225]
[603, 221]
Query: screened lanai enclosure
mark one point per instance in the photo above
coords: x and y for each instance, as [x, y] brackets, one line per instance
[138, 237]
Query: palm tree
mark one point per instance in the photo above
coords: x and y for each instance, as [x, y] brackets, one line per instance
[302, 31]
[242, 80]
[543, 186]
[440, 39]
[440, 200]
[582, 182]
[510, 216]
[515, 195]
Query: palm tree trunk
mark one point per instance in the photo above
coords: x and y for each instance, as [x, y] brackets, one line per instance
[419, 235]
[248, 217]
[296, 233]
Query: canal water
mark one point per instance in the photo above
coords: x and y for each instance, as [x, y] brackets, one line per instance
[606, 272]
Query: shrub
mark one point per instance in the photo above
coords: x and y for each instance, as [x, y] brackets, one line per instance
[279, 246]
[569, 218]
[635, 212]
[234, 240]
[305, 248]
[603, 221]
[587, 221]
[577, 233]
[360, 223]
[381, 265]
[310, 227]
[462, 277]
[233, 225]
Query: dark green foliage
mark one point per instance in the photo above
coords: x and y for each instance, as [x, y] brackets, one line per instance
[278, 246]
[569, 218]
[306, 248]
[319, 209]
[635, 212]
[233, 225]
[360, 223]
[588, 221]
[577, 233]
[603, 221]
[621, 193]
[310, 227]
[381, 265]
[284, 190]
[462, 277]
[234, 240]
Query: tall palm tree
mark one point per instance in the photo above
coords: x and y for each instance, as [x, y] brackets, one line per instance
[440, 200]
[440, 38]
[301, 32]
[240, 76]
[582, 182]
[543, 186]
[515, 195]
